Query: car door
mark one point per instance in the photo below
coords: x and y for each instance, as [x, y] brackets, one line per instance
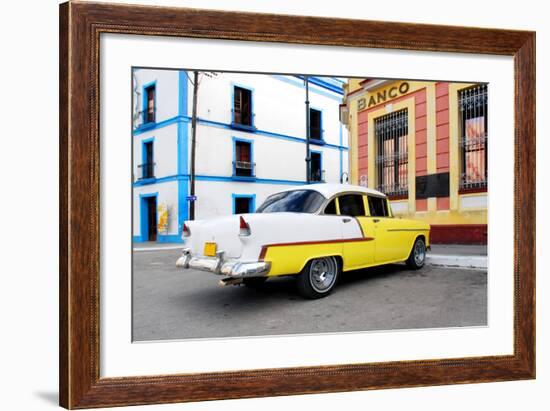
[358, 228]
[390, 242]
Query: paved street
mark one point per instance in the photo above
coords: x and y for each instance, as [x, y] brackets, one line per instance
[170, 303]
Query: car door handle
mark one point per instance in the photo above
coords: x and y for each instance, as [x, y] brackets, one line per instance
[376, 220]
[346, 220]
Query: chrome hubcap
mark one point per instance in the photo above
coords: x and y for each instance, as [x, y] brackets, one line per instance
[322, 274]
[419, 253]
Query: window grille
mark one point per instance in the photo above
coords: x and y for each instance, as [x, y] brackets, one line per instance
[473, 142]
[391, 134]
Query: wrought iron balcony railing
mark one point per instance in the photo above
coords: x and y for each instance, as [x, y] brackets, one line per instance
[243, 168]
[318, 175]
[145, 117]
[146, 170]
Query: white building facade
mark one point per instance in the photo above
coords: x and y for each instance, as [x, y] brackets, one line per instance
[250, 142]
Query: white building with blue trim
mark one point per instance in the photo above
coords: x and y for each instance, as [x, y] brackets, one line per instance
[250, 142]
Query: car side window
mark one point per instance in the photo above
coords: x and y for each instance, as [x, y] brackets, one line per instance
[352, 205]
[330, 209]
[378, 207]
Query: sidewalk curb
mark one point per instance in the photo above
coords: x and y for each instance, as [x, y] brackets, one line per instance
[461, 261]
[169, 247]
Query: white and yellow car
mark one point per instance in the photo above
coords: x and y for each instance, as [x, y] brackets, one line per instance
[314, 232]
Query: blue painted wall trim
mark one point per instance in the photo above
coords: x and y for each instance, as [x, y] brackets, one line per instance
[154, 126]
[169, 238]
[185, 178]
[252, 201]
[183, 148]
[295, 81]
[269, 134]
[229, 127]
[161, 238]
[318, 81]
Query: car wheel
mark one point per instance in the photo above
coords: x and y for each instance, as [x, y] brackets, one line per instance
[254, 282]
[417, 258]
[318, 277]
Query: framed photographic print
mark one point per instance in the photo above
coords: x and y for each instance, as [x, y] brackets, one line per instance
[259, 205]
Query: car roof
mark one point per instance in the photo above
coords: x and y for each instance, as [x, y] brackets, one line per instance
[328, 190]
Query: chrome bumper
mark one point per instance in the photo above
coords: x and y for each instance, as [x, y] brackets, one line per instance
[218, 265]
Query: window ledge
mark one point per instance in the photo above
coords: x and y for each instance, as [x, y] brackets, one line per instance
[146, 126]
[149, 180]
[243, 178]
[317, 142]
[242, 127]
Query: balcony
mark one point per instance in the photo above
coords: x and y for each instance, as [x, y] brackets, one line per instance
[244, 170]
[145, 119]
[317, 176]
[242, 120]
[146, 171]
[316, 136]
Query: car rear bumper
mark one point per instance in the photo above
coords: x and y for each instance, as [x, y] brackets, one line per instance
[218, 265]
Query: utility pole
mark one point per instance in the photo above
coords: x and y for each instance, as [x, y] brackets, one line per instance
[308, 134]
[193, 144]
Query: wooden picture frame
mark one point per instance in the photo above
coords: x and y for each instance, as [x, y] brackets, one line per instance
[80, 27]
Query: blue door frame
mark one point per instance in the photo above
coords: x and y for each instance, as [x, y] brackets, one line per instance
[250, 197]
[144, 216]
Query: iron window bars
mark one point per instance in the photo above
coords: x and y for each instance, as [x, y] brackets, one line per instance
[391, 134]
[473, 141]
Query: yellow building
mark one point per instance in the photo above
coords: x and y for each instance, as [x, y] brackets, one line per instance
[424, 144]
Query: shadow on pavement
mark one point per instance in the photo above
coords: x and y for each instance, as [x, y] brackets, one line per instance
[241, 299]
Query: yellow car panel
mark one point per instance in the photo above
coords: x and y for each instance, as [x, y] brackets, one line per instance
[291, 258]
[384, 240]
[395, 238]
[360, 254]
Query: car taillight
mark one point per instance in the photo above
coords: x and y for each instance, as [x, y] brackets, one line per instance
[185, 231]
[244, 228]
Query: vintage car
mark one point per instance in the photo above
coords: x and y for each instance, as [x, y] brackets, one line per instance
[313, 232]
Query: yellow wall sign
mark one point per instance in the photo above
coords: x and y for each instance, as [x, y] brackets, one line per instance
[380, 96]
[163, 218]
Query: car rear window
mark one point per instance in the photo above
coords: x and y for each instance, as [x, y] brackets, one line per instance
[296, 201]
